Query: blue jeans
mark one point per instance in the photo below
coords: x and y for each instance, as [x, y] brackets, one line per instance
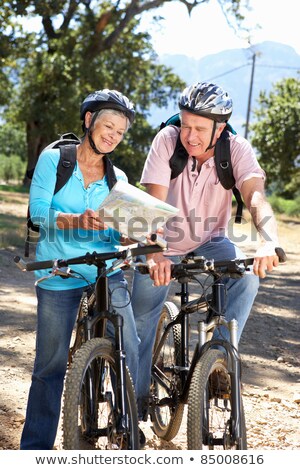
[56, 316]
[148, 300]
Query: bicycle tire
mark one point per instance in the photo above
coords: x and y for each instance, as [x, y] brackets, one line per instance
[90, 427]
[167, 419]
[209, 406]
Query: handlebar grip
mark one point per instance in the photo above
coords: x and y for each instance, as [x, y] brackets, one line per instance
[281, 254]
[33, 265]
[20, 263]
[37, 265]
[159, 240]
[146, 250]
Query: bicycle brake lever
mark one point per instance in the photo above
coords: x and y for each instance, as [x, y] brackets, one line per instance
[62, 272]
[119, 263]
[44, 278]
[56, 271]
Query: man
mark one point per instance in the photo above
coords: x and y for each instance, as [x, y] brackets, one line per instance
[204, 212]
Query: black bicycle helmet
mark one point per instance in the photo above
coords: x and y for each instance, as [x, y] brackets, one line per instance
[207, 100]
[107, 99]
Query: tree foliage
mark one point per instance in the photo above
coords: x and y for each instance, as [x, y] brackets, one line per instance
[277, 136]
[12, 141]
[82, 46]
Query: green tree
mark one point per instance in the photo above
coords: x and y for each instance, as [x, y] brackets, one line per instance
[277, 136]
[82, 46]
[11, 168]
[13, 140]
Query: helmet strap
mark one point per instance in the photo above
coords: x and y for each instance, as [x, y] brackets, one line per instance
[92, 144]
[212, 137]
[89, 133]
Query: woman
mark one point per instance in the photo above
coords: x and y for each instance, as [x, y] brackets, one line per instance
[69, 227]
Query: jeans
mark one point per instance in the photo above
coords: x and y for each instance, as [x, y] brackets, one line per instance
[56, 316]
[148, 300]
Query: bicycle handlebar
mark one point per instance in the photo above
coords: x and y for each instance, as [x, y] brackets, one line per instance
[235, 266]
[88, 258]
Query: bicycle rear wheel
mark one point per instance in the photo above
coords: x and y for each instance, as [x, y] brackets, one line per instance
[90, 418]
[165, 409]
[209, 424]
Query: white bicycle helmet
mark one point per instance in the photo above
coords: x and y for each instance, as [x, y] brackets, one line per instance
[207, 100]
[107, 99]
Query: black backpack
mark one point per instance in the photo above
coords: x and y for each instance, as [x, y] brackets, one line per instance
[179, 160]
[67, 160]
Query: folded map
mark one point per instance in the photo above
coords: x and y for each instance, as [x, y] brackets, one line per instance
[133, 212]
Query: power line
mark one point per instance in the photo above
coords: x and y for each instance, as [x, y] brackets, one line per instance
[279, 67]
[229, 71]
[246, 65]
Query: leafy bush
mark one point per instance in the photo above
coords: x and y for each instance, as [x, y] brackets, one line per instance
[12, 168]
[285, 206]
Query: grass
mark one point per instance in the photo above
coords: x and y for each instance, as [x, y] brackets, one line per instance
[13, 225]
[12, 188]
[12, 232]
[12, 198]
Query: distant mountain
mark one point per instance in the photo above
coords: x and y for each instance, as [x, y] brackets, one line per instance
[231, 69]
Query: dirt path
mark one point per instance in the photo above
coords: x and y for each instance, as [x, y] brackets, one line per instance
[270, 349]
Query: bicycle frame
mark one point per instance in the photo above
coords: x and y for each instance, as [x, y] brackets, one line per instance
[94, 326]
[211, 383]
[186, 368]
[94, 323]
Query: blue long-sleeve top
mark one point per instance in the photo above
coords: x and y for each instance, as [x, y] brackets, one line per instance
[55, 243]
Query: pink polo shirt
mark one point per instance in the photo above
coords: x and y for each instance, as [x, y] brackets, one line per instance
[204, 205]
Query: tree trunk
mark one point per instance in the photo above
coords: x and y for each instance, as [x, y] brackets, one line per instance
[35, 144]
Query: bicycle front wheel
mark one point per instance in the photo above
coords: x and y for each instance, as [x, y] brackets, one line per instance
[91, 418]
[210, 422]
[166, 409]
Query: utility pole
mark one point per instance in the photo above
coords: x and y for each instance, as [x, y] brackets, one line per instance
[250, 95]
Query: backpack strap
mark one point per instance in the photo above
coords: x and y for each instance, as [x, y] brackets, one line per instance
[29, 226]
[110, 172]
[65, 165]
[240, 205]
[64, 172]
[223, 161]
[179, 159]
[180, 156]
[225, 171]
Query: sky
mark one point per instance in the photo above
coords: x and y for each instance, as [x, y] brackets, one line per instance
[207, 32]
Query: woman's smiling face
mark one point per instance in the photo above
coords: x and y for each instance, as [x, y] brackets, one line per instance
[108, 131]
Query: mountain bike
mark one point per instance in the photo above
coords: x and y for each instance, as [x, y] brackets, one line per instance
[99, 404]
[210, 382]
